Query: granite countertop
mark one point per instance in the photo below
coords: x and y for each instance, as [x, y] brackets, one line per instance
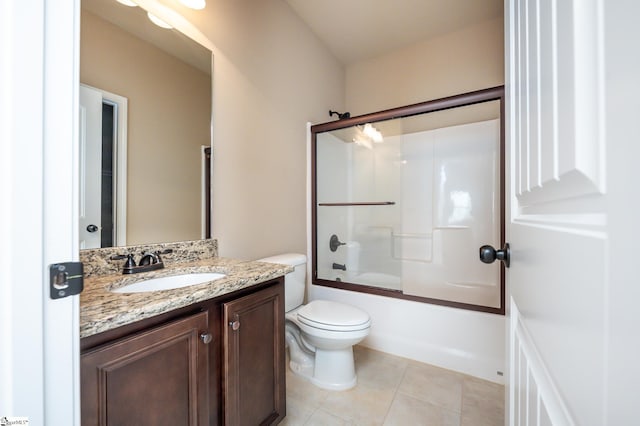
[102, 310]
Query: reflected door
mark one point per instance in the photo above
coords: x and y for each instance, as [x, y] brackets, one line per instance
[90, 167]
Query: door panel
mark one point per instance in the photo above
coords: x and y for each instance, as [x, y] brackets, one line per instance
[90, 166]
[557, 227]
[253, 356]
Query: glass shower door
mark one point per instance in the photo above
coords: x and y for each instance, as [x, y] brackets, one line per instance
[358, 201]
[403, 213]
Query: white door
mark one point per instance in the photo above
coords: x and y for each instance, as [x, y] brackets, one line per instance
[39, 336]
[571, 112]
[90, 139]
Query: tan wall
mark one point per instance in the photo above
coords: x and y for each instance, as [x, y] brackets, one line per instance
[458, 62]
[271, 76]
[169, 106]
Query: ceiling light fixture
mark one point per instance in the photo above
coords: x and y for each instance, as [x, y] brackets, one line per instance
[159, 22]
[127, 3]
[194, 4]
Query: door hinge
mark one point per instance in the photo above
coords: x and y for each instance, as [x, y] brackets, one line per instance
[65, 279]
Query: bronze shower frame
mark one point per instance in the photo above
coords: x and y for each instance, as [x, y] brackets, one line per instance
[486, 95]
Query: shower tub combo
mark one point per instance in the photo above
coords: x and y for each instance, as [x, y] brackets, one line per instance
[402, 200]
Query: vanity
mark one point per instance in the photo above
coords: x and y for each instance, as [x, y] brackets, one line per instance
[208, 353]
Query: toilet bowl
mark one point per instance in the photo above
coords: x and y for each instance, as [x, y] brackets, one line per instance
[320, 335]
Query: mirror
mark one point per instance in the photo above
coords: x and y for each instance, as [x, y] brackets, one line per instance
[163, 79]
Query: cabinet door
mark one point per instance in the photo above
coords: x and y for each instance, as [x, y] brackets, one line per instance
[156, 377]
[253, 372]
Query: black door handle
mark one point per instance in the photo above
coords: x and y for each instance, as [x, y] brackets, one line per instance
[92, 228]
[488, 254]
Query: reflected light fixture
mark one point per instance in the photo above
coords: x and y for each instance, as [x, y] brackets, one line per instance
[159, 22]
[363, 142]
[194, 4]
[372, 133]
[127, 3]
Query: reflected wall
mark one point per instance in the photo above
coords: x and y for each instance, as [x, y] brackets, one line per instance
[169, 106]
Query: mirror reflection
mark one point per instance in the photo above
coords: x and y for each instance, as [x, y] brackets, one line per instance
[145, 121]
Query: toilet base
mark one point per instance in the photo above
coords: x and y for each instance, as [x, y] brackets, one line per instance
[334, 369]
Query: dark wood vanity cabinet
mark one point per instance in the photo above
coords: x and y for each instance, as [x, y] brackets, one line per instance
[253, 351]
[155, 377]
[216, 362]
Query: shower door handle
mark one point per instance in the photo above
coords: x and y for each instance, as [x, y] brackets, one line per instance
[488, 254]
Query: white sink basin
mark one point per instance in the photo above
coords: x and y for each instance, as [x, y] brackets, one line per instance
[170, 282]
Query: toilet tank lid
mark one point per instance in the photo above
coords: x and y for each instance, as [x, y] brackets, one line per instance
[291, 259]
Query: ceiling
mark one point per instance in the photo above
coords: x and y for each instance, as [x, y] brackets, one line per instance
[355, 30]
[134, 20]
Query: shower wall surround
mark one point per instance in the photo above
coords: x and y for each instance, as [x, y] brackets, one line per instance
[413, 209]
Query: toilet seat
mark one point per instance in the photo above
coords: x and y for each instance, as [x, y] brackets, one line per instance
[333, 316]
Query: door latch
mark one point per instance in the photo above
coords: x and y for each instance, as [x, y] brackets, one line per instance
[65, 279]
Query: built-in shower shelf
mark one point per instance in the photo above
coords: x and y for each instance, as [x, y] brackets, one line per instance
[364, 203]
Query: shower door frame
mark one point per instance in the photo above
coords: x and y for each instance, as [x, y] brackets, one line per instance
[466, 99]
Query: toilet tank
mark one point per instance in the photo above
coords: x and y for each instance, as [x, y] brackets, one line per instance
[294, 282]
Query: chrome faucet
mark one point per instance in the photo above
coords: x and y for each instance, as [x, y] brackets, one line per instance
[150, 261]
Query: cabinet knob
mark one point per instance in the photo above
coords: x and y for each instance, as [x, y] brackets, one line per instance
[206, 338]
[235, 325]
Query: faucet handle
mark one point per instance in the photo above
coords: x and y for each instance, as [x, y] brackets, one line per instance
[130, 263]
[166, 251]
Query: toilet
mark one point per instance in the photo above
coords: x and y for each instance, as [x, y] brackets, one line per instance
[320, 335]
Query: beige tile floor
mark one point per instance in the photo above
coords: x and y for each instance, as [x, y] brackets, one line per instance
[396, 391]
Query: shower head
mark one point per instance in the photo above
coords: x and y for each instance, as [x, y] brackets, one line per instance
[340, 116]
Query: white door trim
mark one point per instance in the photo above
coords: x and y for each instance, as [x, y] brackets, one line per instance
[39, 365]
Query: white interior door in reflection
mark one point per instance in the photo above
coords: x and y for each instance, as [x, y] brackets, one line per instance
[90, 167]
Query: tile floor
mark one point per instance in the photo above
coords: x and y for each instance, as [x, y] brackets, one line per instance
[396, 391]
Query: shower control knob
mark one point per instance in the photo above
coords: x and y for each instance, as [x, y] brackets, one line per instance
[488, 254]
[334, 243]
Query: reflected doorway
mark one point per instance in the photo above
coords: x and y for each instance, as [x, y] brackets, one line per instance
[103, 163]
